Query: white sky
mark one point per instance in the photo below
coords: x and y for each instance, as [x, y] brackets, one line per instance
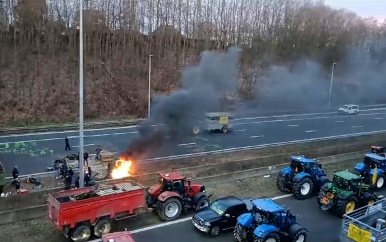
[365, 8]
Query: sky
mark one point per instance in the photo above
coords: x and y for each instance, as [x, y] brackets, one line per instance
[365, 8]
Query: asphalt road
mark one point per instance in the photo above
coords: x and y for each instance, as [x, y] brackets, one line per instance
[322, 226]
[32, 153]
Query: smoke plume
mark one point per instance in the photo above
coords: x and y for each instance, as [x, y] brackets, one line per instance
[202, 87]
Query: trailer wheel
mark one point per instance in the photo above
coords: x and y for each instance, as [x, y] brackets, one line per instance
[224, 129]
[170, 209]
[102, 227]
[81, 233]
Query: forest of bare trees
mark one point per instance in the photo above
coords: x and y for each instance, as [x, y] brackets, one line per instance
[39, 48]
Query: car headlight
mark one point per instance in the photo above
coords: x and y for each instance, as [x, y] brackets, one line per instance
[207, 224]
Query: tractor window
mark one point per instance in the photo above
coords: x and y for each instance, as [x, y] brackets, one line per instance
[370, 163]
[296, 166]
[218, 207]
[341, 183]
[178, 187]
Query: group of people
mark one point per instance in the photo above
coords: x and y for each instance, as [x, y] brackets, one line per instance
[67, 174]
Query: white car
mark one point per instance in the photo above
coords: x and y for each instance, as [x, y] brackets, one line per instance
[349, 109]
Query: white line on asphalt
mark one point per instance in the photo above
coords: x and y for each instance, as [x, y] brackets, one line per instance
[357, 127]
[257, 136]
[310, 131]
[84, 145]
[339, 121]
[240, 130]
[183, 220]
[378, 118]
[186, 144]
[293, 125]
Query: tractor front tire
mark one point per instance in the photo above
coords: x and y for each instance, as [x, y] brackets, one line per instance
[170, 209]
[240, 233]
[202, 203]
[319, 198]
[272, 237]
[281, 184]
[380, 183]
[304, 188]
[346, 206]
[297, 233]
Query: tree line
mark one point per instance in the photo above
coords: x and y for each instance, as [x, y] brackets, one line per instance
[39, 48]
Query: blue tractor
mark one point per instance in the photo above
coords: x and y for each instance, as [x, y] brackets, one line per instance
[268, 222]
[372, 170]
[303, 177]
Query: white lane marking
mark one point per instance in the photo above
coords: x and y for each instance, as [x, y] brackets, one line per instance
[357, 127]
[183, 220]
[135, 126]
[293, 125]
[310, 131]
[240, 130]
[257, 136]
[301, 119]
[186, 144]
[378, 118]
[76, 146]
[339, 121]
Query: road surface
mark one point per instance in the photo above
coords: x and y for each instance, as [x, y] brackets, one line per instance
[322, 226]
[32, 153]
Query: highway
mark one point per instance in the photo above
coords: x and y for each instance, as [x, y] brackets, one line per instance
[37, 151]
[322, 226]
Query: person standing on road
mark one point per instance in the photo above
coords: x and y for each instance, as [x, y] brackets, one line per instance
[98, 153]
[85, 158]
[2, 179]
[15, 172]
[67, 142]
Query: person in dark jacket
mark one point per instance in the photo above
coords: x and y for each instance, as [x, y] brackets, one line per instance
[67, 143]
[16, 183]
[87, 178]
[71, 172]
[85, 158]
[68, 181]
[15, 172]
[89, 171]
[77, 183]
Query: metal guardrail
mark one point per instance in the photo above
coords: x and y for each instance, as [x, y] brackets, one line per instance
[174, 157]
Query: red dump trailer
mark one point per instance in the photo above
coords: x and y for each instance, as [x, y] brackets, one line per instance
[89, 211]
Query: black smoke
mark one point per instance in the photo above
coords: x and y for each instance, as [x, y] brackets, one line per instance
[202, 87]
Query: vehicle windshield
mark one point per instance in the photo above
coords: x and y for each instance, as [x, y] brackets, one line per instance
[340, 182]
[345, 106]
[296, 165]
[370, 163]
[218, 207]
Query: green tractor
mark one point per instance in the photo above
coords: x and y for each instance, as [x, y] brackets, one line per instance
[345, 193]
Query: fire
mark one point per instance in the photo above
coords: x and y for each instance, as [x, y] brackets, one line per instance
[121, 169]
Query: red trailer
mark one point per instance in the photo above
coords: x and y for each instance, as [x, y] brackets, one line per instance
[88, 211]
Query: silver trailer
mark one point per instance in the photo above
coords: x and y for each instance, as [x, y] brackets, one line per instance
[366, 224]
[215, 121]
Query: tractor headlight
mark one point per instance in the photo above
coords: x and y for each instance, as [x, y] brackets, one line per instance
[207, 224]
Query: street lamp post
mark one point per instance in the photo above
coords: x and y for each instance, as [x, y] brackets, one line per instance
[81, 116]
[331, 83]
[149, 91]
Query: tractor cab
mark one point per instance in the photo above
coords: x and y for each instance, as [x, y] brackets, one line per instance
[369, 163]
[346, 181]
[378, 150]
[175, 182]
[266, 211]
[303, 164]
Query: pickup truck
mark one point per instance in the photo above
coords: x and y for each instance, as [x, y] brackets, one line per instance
[90, 211]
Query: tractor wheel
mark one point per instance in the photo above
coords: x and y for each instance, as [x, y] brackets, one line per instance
[240, 233]
[319, 198]
[304, 188]
[272, 237]
[224, 129]
[380, 182]
[196, 129]
[202, 203]
[102, 227]
[169, 209]
[81, 233]
[368, 199]
[297, 233]
[346, 206]
[281, 184]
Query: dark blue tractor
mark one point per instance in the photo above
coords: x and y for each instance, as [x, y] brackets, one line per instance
[268, 221]
[372, 168]
[303, 177]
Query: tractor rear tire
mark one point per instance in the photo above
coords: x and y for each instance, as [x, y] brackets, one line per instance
[304, 188]
[319, 198]
[102, 227]
[272, 237]
[346, 206]
[81, 233]
[368, 199]
[165, 209]
[202, 203]
[297, 233]
[281, 184]
[240, 234]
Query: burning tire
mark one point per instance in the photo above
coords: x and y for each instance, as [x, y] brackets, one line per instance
[304, 188]
[81, 233]
[169, 209]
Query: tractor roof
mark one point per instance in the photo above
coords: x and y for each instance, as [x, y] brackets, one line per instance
[172, 176]
[375, 157]
[267, 204]
[303, 159]
[346, 175]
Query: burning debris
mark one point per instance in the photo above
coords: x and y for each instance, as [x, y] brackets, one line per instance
[122, 168]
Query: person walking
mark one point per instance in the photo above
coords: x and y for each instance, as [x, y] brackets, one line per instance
[67, 143]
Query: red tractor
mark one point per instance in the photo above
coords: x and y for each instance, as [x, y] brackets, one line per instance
[174, 194]
[378, 150]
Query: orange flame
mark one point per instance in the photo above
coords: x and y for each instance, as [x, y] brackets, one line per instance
[121, 169]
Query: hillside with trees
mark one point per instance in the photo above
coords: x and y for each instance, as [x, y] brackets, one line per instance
[39, 48]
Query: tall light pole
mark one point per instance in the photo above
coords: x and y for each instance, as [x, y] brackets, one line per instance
[149, 91]
[81, 116]
[331, 83]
